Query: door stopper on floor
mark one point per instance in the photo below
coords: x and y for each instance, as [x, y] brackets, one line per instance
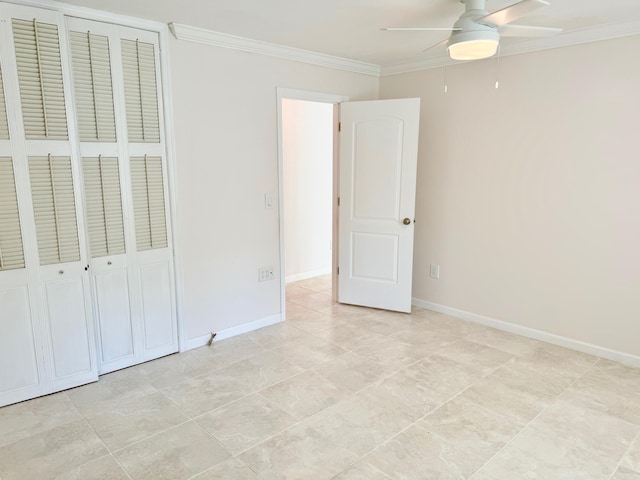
[213, 335]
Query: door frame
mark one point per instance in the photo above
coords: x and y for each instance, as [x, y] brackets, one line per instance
[293, 94]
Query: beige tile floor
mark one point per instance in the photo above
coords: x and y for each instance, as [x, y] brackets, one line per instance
[345, 393]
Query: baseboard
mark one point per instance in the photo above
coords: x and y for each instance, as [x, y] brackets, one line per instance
[233, 331]
[303, 276]
[554, 339]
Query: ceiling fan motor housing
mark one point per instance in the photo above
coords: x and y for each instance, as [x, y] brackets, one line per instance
[472, 40]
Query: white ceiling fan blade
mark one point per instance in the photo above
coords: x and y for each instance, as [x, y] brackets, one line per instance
[439, 44]
[420, 29]
[527, 31]
[512, 12]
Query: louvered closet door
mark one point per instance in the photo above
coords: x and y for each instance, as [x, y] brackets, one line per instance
[109, 263]
[17, 348]
[21, 375]
[91, 54]
[149, 191]
[85, 227]
[42, 80]
[116, 94]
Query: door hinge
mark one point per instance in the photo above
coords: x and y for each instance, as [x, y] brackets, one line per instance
[338, 272]
[338, 201]
[339, 126]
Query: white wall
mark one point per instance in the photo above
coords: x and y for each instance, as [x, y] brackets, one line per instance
[226, 139]
[307, 154]
[529, 195]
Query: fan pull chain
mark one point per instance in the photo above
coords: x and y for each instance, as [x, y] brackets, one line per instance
[446, 87]
[498, 70]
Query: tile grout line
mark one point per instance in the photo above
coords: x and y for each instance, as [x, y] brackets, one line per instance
[112, 452]
[105, 446]
[615, 470]
[360, 460]
[155, 434]
[88, 423]
[489, 373]
[63, 392]
[380, 380]
[299, 422]
[253, 392]
[430, 412]
[504, 417]
[258, 391]
[347, 350]
[533, 419]
[221, 444]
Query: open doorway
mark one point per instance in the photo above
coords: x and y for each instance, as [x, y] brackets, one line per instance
[307, 161]
[307, 156]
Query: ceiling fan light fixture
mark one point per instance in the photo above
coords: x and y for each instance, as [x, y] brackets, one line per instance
[473, 45]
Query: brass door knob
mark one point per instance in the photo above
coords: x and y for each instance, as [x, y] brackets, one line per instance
[407, 221]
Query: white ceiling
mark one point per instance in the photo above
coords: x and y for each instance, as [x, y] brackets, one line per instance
[351, 28]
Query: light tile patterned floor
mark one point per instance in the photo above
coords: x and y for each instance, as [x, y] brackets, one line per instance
[340, 392]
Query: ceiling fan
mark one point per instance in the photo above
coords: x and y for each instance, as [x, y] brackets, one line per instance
[476, 34]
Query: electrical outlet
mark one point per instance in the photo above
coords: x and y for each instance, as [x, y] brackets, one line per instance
[265, 274]
[434, 271]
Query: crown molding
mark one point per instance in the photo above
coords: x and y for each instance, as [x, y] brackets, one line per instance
[587, 35]
[200, 35]
[209, 37]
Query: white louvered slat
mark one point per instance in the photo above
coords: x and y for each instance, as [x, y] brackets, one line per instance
[37, 49]
[148, 202]
[11, 250]
[54, 209]
[141, 91]
[104, 206]
[4, 126]
[93, 87]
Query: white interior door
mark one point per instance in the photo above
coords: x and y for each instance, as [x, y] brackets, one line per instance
[378, 160]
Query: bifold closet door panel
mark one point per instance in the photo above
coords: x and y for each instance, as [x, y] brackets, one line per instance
[109, 264]
[63, 275]
[51, 304]
[20, 377]
[116, 84]
[153, 255]
[95, 91]
[154, 259]
[68, 325]
[114, 318]
[159, 324]
[153, 250]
